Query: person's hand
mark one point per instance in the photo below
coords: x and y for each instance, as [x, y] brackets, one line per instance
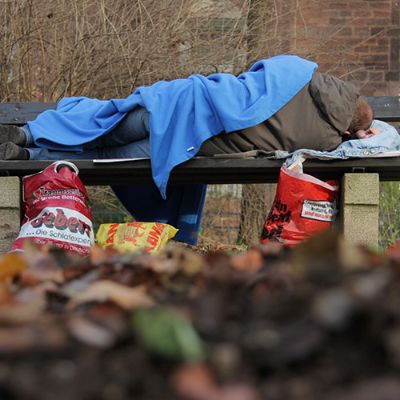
[366, 133]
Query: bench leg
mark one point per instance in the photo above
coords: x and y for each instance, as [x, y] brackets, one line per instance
[10, 211]
[360, 208]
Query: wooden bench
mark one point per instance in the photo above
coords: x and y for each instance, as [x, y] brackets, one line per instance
[360, 177]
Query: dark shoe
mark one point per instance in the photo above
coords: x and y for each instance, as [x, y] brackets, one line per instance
[13, 134]
[11, 151]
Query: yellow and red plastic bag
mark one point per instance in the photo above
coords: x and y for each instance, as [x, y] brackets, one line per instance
[133, 236]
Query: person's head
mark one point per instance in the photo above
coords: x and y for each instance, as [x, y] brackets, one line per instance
[360, 125]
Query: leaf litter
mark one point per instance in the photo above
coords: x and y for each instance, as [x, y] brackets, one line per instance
[321, 321]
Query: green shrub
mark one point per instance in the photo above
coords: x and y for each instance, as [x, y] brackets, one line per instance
[389, 215]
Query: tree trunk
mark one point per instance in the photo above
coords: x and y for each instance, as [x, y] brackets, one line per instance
[256, 199]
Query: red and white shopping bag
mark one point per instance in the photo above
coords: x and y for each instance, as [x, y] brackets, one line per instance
[56, 210]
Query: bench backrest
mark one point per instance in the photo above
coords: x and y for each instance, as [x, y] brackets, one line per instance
[386, 108]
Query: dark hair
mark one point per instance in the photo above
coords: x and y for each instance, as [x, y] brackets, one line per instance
[363, 116]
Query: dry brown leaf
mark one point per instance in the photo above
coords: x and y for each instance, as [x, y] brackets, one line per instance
[75, 286]
[99, 255]
[41, 267]
[6, 296]
[39, 273]
[186, 260]
[42, 334]
[157, 263]
[251, 261]
[196, 382]
[22, 312]
[379, 388]
[393, 253]
[125, 297]
[173, 259]
[91, 333]
[10, 265]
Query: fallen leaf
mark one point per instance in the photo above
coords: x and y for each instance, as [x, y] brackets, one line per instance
[10, 265]
[251, 261]
[185, 261]
[108, 315]
[6, 296]
[125, 297]
[26, 305]
[333, 308]
[173, 259]
[76, 286]
[393, 253]
[196, 382]
[40, 335]
[74, 271]
[379, 388]
[154, 262]
[168, 333]
[90, 332]
[41, 267]
[99, 255]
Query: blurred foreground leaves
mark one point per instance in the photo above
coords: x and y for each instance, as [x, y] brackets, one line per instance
[320, 321]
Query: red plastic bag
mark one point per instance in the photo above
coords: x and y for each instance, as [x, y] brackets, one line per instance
[303, 206]
[56, 210]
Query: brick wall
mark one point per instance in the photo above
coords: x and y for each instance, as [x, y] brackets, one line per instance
[357, 40]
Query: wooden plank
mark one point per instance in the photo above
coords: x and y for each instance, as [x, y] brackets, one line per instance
[211, 171]
[386, 108]
[20, 113]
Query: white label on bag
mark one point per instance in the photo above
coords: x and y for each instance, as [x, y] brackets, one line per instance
[59, 223]
[319, 210]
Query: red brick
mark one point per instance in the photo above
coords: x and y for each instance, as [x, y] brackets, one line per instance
[383, 42]
[346, 13]
[337, 21]
[344, 32]
[377, 22]
[379, 50]
[360, 22]
[350, 41]
[376, 76]
[376, 66]
[378, 4]
[375, 30]
[362, 49]
[362, 13]
[378, 58]
[382, 14]
[361, 31]
[392, 76]
[337, 6]
[358, 76]
[393, 32]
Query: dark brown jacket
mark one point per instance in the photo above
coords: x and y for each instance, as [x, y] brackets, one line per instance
[314, 119]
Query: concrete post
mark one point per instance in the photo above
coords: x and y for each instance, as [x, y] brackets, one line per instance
[360, 208]
[10, 211]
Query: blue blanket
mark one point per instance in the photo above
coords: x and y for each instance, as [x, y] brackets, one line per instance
[183, 114]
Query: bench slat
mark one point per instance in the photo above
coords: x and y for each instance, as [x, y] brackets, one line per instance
[20, 113]
[386, 108]
[209, 170]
